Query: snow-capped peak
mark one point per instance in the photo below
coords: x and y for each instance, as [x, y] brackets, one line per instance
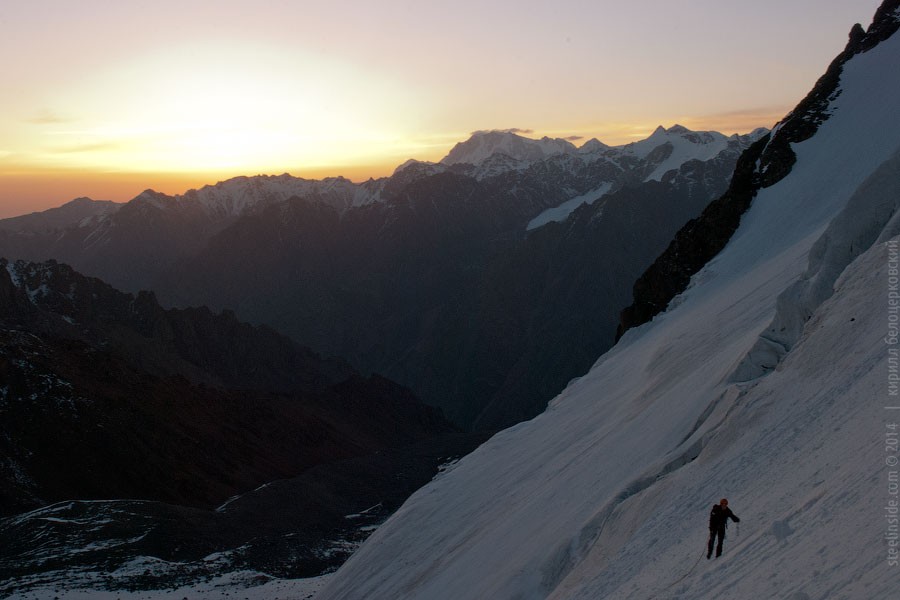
[484, 144]
[422, 165]
[241, 195]
[679, 136]
[685, 145]
[152, 197]
[409, 163]
[592, 146]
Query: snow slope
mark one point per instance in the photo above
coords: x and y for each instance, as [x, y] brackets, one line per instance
[561, 213]
[606, 494]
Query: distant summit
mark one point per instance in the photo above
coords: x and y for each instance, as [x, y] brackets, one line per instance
[484, 144]
[78, 211]
[685, 145]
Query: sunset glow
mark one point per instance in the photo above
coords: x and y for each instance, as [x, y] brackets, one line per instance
[108, 99]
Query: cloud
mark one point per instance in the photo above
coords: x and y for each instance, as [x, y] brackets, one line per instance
[516, 130]
[48, 117]
[573, 138]
[91, 147]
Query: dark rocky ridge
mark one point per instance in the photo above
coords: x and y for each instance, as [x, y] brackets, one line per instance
[207, 348]
[107, 395]
[701, 239]
[103, 394]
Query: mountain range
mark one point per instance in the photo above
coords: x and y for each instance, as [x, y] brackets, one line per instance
[460, 279]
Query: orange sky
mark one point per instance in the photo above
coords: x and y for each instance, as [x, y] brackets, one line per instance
[106, 99]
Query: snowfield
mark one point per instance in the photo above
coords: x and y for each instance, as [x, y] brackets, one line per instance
[607, 494]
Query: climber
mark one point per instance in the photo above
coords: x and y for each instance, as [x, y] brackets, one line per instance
[718, 520]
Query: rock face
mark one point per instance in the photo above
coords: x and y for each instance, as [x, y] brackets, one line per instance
[762, 165]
